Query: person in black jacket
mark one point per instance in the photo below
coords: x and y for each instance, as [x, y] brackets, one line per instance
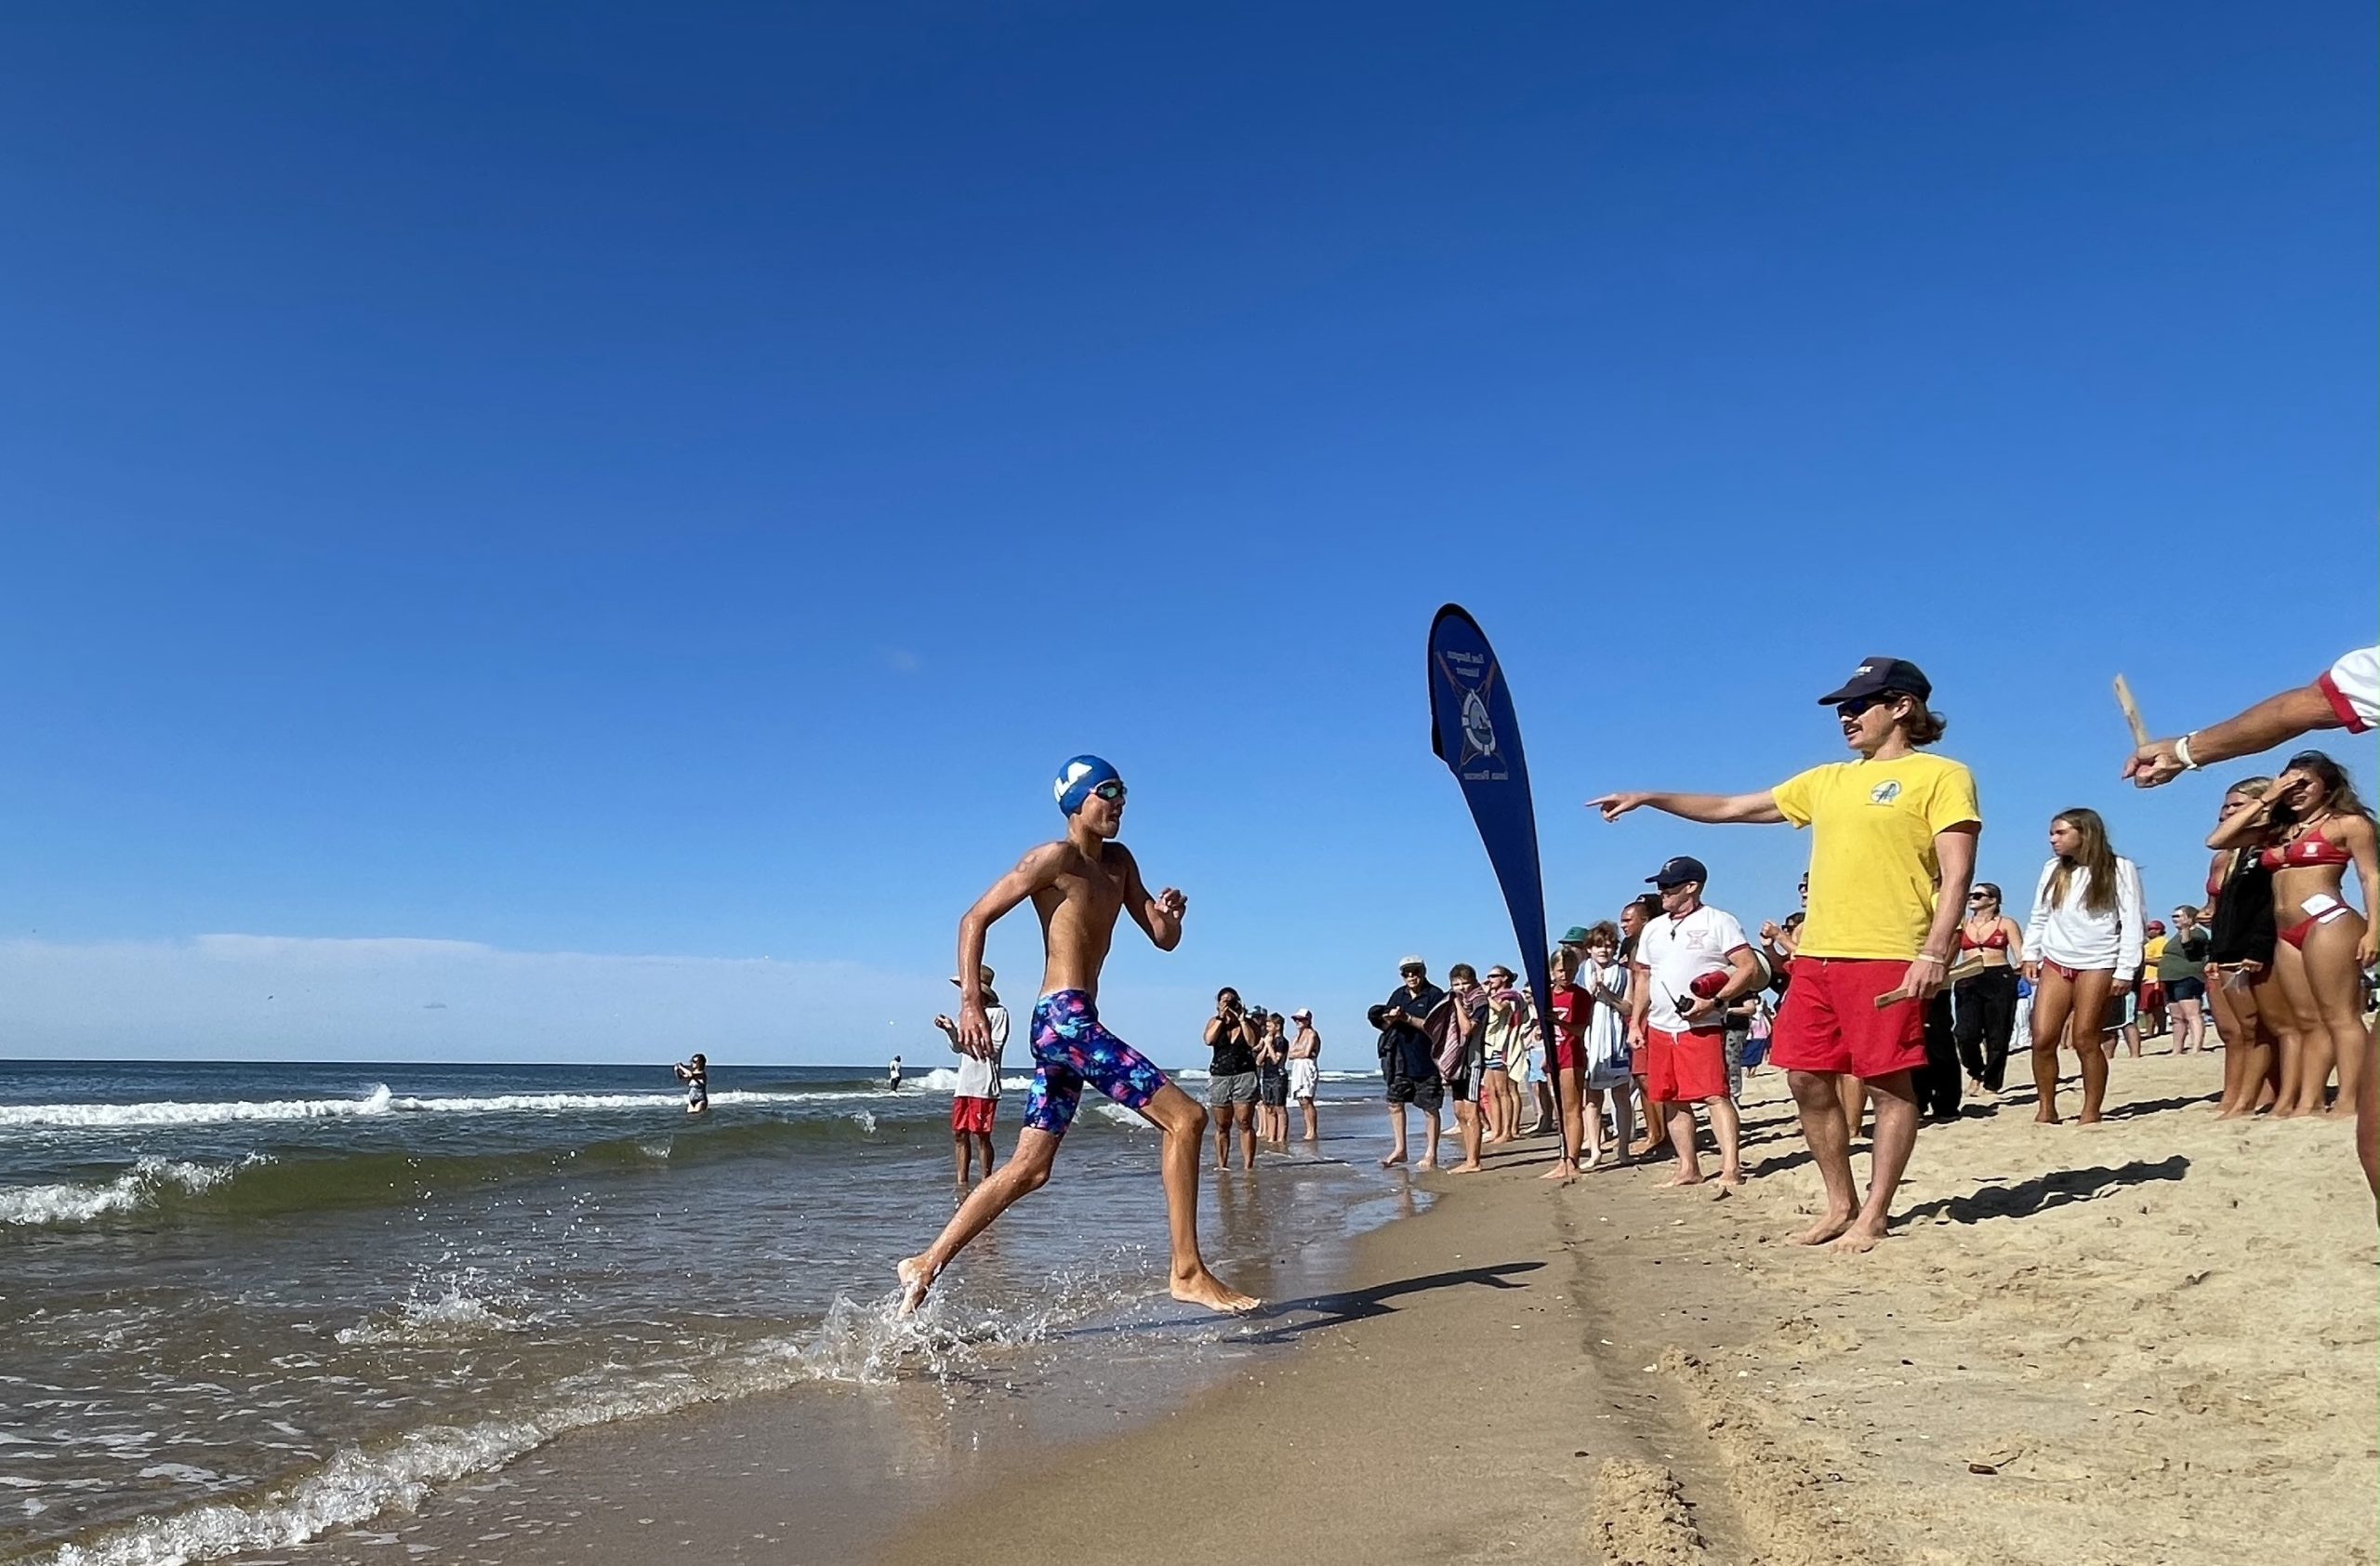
[1408, 1058]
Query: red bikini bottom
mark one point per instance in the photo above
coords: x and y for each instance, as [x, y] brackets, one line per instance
[2295, 935]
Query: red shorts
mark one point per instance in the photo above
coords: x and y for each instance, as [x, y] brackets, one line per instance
[1830, 1021]
[972, 1117]
[1567, 1054]
[1686, 1067]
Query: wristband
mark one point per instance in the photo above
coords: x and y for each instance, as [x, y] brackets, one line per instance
[2182, 754]
[1933, 958]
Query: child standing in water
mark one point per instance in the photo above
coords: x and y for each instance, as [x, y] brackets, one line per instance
[1078, 885]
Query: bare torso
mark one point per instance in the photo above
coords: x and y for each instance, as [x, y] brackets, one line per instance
[1078, 908]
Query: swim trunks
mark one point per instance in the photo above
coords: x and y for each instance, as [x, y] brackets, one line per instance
[1830, 1021]
[1686, 1067]
[970, 1116]
[1070, 1049]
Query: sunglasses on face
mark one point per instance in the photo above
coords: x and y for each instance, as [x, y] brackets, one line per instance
[1858, 706]
[1112, 791]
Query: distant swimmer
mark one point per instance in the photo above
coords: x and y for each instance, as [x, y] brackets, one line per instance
[1078, 884]
[695, 1074]
[893, 1076]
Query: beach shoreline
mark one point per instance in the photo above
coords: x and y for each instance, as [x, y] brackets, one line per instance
[2142, 1341]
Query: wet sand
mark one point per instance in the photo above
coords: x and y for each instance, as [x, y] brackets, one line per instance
[2150, 1340]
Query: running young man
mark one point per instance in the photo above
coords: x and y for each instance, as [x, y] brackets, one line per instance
[1892, 850]
[1078, 884]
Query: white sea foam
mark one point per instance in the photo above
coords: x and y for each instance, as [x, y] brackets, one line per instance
[864, 1119]
[455, 1313]
[943, 1079]
[1122, 1115]
[139, 1187]
[380, 1101]
[857, 1342]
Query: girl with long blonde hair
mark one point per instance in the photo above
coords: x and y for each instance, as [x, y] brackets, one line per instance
[2081, 950]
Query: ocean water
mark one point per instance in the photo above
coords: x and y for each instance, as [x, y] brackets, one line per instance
[244, 1306]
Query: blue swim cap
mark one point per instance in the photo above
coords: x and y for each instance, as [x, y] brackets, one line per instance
[1078, 777]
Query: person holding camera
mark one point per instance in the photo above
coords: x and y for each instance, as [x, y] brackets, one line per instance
[975, 1101]
[695, 1074]
[1408, 1059]
[1231, 1034]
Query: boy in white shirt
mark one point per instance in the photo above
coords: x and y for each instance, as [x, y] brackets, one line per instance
[1691, 963]
[977, 1099]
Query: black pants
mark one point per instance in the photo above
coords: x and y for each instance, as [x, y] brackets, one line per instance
[1986, 1011]
[1937, 1083]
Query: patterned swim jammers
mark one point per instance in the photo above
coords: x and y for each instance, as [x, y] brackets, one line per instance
[1070, 1049]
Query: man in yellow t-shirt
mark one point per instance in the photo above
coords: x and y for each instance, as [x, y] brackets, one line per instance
[1892, 851]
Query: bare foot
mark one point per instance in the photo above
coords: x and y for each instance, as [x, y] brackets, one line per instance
[915, 1279]
[1566, 1172]
[1732, 1180]
[1858, 1239]
[1470, 1166]
[1825, 1229]
[2088, 1117]
[1204, 1288]
[2047, 1117]
[1392, 1160]
[1681, 1178]
[1426, 1164]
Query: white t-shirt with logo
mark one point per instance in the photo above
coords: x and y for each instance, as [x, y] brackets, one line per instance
[2353, 687]
[981, 1078]
[1676, 953]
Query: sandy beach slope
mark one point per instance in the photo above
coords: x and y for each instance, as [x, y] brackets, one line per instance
[2149, 1341]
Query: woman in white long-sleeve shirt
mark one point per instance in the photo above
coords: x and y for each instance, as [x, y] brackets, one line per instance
[2082, 948]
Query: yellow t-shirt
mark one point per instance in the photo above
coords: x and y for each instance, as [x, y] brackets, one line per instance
[1874, 871]
[2152, 949]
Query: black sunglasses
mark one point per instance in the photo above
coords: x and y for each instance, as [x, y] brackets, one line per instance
[1858, 706]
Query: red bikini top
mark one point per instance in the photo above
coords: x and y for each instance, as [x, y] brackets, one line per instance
[1996, 941]
[2312, 849]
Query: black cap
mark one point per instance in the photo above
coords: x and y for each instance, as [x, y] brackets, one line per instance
[1877, 675]
[1678, 871]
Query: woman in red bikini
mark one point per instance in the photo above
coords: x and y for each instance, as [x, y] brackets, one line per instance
[2321, 828]
[1985, 1002]
[2260, 1051]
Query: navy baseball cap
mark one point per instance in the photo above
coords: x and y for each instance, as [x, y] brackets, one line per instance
[1876, 675]
[1678, 871]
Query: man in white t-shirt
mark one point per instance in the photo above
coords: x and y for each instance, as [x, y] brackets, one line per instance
[1690, 964]
[976, 1099]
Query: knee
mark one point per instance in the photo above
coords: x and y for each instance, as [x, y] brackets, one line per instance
[1030, 1177]
[1193, 1119]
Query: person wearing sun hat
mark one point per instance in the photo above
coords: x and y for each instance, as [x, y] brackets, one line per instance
[1892, 851]
[1305, 1070]
[975, 1100]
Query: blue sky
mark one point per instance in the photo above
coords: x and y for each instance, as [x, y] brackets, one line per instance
[584, 531]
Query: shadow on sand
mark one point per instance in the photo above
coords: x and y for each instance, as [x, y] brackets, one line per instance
[2059, 1188]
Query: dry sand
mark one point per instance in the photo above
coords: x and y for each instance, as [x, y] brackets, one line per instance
[2149, 1341]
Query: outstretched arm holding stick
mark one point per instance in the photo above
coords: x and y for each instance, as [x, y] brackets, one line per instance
[2345, 696]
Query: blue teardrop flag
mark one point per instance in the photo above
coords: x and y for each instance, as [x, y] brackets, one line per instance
[1475, 732]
